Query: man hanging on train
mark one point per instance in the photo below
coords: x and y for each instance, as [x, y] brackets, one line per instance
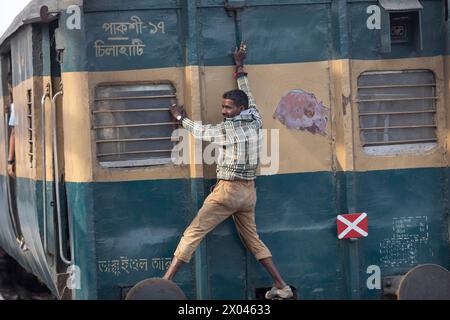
[234, 195]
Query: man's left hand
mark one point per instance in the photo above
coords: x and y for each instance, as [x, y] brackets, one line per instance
[240, 54]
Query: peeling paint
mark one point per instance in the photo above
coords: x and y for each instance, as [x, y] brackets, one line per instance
[299, 110]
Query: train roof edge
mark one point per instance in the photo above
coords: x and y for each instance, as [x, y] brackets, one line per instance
[31, 14]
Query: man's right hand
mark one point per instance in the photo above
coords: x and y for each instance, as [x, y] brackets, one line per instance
[177, 111]
[11, 170]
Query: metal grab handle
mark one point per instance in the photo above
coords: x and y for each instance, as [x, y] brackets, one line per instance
[56, 173]
[44, 164]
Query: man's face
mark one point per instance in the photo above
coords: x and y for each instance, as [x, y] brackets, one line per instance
[229, 109]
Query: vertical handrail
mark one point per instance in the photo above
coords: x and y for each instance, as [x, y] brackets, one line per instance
[56, 173]
[44, 165]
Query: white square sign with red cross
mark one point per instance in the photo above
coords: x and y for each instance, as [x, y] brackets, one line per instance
[355, 225]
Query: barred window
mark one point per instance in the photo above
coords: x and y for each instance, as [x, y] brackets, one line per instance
[30, 127]
[133, 125]
[397, 107]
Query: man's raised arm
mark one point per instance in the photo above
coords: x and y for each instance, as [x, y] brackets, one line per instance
[243, 83]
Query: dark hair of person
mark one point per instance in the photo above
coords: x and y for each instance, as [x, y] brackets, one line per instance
[239, 97]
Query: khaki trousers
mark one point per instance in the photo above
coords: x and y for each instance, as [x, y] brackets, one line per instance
[229, 198]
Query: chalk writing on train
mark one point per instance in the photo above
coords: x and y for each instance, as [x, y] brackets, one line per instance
[408, 244]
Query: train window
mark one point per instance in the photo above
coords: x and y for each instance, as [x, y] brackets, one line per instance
[397, 110]
[401, 24]
[132, 124]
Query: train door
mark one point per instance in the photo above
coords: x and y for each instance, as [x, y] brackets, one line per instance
[10, 149]
[11, 182]
[58, 154]
[56, 230]
[288, 56]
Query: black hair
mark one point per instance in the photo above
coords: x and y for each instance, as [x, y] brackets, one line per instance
[239, 97]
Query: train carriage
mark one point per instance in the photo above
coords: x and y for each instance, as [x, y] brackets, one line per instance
[353, 95]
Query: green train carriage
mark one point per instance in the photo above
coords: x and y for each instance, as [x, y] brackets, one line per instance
[109, 201]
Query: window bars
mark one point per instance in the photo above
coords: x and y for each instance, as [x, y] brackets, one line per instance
[133, 125]
[397, 107]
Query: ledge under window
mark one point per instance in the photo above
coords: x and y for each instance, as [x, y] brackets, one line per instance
[394, 150]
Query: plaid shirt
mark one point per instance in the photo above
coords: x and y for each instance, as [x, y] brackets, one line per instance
[239, 139]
